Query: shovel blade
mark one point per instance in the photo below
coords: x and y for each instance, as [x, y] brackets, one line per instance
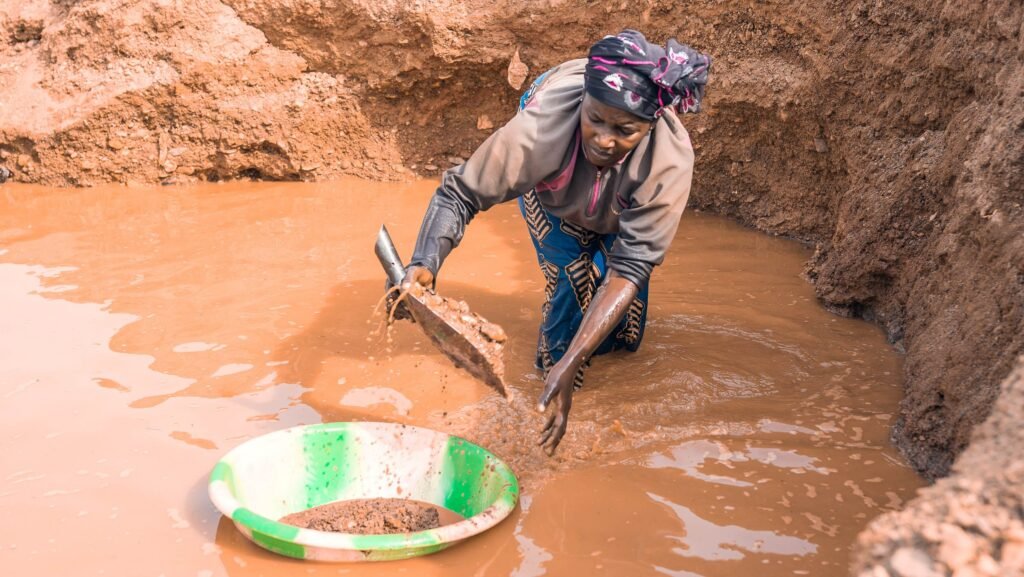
[446, 337]
[454, 344]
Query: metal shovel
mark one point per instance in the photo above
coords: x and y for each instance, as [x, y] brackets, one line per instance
[444, 335]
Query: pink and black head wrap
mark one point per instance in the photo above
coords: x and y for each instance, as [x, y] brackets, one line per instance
[628, 72]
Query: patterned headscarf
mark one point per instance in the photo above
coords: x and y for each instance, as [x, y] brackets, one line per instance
[628, 72]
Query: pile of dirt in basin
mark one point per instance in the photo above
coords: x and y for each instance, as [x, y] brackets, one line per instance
[368, 517]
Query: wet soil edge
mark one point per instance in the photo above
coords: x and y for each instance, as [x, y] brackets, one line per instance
[889, 137]
[968, 523]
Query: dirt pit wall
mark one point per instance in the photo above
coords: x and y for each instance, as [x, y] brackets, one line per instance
[889, 135]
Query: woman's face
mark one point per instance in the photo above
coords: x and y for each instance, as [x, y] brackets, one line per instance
[609, 133]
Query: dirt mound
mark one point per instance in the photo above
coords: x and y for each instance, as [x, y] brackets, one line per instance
[368, 517]
[887, 134]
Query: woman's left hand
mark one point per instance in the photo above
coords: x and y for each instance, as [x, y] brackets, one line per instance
[557, 386]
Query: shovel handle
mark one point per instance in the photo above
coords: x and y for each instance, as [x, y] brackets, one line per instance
[387, 254]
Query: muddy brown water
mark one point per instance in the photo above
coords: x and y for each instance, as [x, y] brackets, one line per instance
[145, 332]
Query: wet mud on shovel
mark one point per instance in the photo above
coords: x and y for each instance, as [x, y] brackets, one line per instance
[432, 316]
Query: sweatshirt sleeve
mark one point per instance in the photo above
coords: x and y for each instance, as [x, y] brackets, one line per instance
[648, 225]
[527, 149]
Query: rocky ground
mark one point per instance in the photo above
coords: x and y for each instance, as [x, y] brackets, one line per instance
[888, 134]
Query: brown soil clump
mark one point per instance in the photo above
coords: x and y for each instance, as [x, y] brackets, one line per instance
[368, 517]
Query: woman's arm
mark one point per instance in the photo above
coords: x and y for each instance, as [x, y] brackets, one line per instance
[606, 309]
[530, 147]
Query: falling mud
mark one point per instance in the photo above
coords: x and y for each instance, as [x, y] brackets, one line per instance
[369, 517]
[144, 332]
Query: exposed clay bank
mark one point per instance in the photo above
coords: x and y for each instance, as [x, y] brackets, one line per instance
[148, 331]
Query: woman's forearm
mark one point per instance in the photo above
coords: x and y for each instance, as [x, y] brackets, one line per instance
[444, 223]
[609, 305]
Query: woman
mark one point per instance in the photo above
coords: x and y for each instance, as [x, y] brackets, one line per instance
[601, 166]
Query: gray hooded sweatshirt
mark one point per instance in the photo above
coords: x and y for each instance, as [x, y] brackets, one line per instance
[641, 198]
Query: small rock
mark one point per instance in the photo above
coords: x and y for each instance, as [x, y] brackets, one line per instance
[345, 164]
[990, 567]
[28, 31]
[493, 332]
[5, 174]
[957, 547]
[456, 160]
[310, 166]
[162, 140]
[23, 160]
[820, 145]
[177, 151]
[910, 562]
[1015, 533]
[517, 72]
[169, 166]
[1013, 555]
[430, 167]
[87, 165]
[484, 123]
[115, 143]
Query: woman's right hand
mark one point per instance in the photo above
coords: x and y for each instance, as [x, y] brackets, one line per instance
[558, 386]
[420, 275]
[414, 274]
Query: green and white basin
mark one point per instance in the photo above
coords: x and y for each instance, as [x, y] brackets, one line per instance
[291, 470]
